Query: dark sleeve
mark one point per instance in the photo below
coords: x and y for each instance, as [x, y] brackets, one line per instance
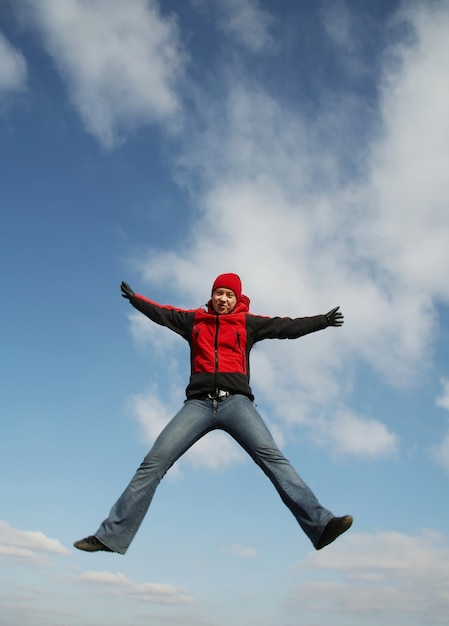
[178, 320]
[285, 327]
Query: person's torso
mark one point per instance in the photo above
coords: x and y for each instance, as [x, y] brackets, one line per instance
[219, 343]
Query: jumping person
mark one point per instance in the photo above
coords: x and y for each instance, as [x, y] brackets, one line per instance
[219, 397]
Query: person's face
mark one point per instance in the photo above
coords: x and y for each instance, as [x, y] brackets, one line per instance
[223, 300]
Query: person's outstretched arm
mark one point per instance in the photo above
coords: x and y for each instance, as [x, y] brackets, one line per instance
[178, 320]
[292, 328]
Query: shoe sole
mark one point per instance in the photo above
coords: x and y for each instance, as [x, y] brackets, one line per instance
[344, 525]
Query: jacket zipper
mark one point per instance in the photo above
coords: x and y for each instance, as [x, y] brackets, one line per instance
[195, 334]
[241, 352]
[217, 323]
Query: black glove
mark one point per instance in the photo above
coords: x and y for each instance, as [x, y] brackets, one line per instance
[127, 292]
[335, 317]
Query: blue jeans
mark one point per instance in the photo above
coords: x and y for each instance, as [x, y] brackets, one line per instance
[237, 416]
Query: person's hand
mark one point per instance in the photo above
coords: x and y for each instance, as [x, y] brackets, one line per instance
[127, 292]
[335, 317]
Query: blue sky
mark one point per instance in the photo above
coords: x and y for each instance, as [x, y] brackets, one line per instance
[303, 145]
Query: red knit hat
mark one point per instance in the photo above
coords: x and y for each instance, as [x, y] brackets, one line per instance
[230, 281]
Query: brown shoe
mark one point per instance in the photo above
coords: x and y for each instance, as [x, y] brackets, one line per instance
[336, 527]
[91, 544]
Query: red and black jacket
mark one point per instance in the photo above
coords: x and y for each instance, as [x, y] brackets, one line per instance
[220, 344]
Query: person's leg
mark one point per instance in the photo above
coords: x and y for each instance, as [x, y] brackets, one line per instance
[238, 416]
[192, 422]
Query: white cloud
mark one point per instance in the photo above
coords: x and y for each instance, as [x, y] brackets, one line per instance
[215, 451]
[443, 399]
[121, 61]
[409, 182]
[247, 23]
[155, 593]
[338, 21]
[440, 452]
[151, 413]
[274, 210]
[393, 577]
[350, 434]
[26, 545]
[345, 28]
[13, 68]
[146, 333]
